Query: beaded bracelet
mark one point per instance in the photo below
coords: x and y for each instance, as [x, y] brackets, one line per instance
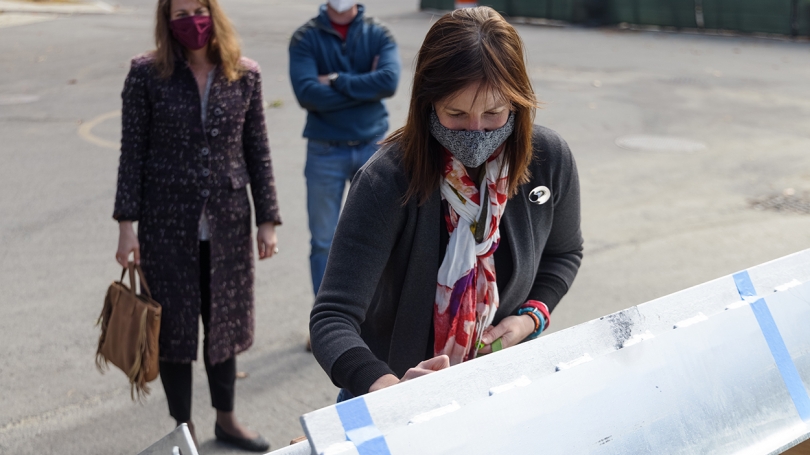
[535, 313]
[535, 319]
[540, 306]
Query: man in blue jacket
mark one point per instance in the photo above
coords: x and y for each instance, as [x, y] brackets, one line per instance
[342, 65]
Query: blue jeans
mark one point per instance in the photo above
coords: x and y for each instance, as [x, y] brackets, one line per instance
[329, 167]
[344, 395]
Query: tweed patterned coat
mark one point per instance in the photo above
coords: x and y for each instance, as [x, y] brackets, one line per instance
[171, 167]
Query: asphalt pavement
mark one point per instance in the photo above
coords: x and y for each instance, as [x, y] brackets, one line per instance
[656, 219]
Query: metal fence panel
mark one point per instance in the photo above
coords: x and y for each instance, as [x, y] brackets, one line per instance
[803, 17]
[751, 16]
[668, 13]
[764, 16]
[561, 10]
[624, 11]
[443, 5]
[671, 13]
[538, 8]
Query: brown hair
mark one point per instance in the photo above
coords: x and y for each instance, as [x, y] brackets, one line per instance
[223, 47]
[466, 46]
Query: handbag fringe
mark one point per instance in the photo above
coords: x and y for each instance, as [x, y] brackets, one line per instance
[103, 320]
[137, 375]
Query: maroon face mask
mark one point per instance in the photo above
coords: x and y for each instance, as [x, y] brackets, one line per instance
[192, 32]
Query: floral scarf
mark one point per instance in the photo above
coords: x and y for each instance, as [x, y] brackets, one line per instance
[467, 293]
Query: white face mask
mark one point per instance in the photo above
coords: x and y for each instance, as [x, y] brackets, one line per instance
[341, 6]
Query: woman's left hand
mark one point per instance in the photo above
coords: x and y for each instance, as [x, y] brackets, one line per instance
[266, 240]
[511, 330]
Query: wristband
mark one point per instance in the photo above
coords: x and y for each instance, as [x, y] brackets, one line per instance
[534, 318]
[536, 314]
[535, 309]
[541, 307]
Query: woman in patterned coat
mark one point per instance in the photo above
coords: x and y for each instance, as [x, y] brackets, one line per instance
[193, 137]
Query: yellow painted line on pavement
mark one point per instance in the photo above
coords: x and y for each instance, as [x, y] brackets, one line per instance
[86, 131]
[12, 19]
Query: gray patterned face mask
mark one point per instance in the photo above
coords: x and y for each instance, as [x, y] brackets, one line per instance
[472, 148]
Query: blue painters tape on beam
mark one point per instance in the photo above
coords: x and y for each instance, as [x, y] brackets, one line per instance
[744, 285]
[790, 375]
[783, 360]
[360, 429]
[354, 414]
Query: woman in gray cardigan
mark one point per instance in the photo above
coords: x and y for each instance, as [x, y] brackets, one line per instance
[462, 233]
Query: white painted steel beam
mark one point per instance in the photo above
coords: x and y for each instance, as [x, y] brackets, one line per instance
[716, 368]
[178, 442]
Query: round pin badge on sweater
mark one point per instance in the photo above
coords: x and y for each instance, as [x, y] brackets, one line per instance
[540, 195]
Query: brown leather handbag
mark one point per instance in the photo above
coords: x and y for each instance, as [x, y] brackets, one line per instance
[130, 327]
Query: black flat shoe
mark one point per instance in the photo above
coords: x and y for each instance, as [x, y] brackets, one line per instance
[257, 444]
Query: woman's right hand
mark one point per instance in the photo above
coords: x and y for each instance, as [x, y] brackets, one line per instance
[127, 243]
[428, 366]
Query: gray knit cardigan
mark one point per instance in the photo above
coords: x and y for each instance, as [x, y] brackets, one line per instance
[380, 282]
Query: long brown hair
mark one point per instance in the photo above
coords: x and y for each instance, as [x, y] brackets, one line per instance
[466, 46]
[223, 47]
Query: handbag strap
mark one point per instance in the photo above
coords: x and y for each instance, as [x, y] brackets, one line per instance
[143, 280]
[132, 268]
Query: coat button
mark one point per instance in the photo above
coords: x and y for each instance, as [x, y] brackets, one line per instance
[204, 151]
[204, 193]
[218, 111]
[206, 172]
[214, 132]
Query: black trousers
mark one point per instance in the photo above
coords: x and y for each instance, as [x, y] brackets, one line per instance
[176, 377]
